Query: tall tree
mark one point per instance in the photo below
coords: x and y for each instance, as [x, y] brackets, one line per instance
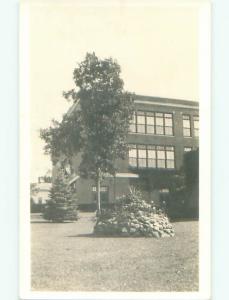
[99, 129]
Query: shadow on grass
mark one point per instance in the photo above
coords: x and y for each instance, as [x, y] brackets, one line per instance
[50, 222]
[92, 235]
[180, 220]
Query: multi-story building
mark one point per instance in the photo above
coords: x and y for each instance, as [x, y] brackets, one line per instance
[161, 131]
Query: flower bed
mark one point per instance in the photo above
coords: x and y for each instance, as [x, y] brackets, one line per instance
[133, 216]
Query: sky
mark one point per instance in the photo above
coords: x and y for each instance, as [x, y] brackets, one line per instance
[155, 45]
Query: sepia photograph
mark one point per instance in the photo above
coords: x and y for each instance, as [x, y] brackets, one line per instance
[114, 149]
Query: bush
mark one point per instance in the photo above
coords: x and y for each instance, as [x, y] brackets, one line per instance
[133, 216]
[60, 212]
[61, 207]
[184, 204]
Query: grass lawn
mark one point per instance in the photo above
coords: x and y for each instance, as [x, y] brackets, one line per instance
[66, 258]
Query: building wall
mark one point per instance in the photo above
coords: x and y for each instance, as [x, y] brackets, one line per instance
[120, 186]
[177, 140]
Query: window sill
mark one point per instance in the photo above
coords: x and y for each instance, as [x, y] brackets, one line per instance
[150, 134]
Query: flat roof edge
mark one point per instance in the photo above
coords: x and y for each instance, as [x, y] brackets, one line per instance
[165, 100]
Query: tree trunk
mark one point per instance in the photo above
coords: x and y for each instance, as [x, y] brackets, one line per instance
[98, 193]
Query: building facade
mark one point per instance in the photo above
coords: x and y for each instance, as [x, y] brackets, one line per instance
[161, 131]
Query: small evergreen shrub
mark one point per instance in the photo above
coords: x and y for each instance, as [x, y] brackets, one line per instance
[133, 216]
[61, 207]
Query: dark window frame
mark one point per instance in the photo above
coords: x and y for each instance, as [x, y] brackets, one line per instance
[156, 148]
[146, 126]
[186, 117]
[196, 118]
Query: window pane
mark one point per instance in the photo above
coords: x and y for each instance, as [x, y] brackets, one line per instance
[151, 147]
[187, 132]
[161, 163]
[186, 123]
[132, 152]
[142, 153]
[170, 164]
[186, 117]
[141, 119]
[168, 122]
[133, 157]
[168, 116]
[142, 162]
[159, 121]
[160, 148]
[151, 163]
[159, 130]
[170, 155]
[141, 128]
[168, 131]
[169, 148]
[196, 124]
[150, 120]
[150, 129]
[151, 154]
[161, 154]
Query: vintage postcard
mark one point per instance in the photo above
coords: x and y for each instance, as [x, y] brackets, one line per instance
[115, 149]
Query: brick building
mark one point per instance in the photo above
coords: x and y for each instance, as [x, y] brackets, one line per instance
[161, 131]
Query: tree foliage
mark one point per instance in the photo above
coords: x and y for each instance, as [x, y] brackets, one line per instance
[99, 128]
[65, 137]
[61, 206]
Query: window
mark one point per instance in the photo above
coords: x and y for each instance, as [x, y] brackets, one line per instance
[159, 124]
[133, 156]
[141, 124]
[160, 157]
[170, 159]
[133, 123]
[150, 156]
[103, 189]
[152, 123]
[187, 149]
[142, 156]
[165, 157]
[186, 126]
[168, 124]
[196, 125]
[104, 194]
